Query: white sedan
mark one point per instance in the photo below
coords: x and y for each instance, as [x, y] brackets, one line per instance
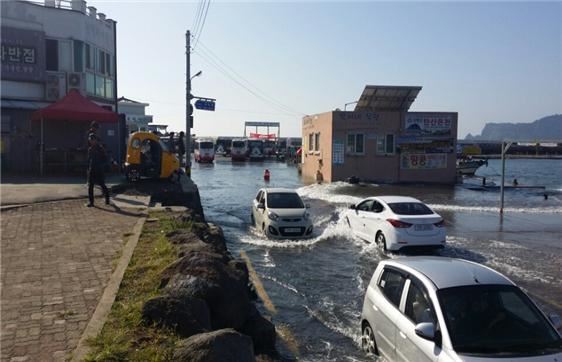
[396, 222]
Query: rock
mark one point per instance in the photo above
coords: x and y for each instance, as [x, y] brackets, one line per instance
[187, 315]
[221, 283]
[190, 216]
[209, 235]
[225, 345]
[261, 330]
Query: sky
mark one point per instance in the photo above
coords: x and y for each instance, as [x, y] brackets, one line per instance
[278, 61]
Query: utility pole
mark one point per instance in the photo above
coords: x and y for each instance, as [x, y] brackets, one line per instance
[505, 147]
[188, 108]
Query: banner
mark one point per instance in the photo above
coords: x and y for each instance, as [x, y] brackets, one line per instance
[261, 136]
[423, 161]
[428, 124]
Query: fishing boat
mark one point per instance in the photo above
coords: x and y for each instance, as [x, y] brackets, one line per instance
[469, 166]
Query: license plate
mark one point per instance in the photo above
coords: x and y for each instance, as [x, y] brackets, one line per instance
[422, 227]
[292, 230]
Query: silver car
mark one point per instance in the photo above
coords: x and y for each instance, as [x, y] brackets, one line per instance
[280, 213]
[443, 309]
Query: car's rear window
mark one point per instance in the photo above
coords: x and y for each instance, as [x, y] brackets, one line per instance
[410, 208]
[206, 145]
[284, 200]
[237, 144]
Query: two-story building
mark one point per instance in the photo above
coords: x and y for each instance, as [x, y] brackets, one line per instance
[380, 141]
[47, 49]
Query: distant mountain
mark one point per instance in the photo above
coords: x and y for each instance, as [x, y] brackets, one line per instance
[546, 128]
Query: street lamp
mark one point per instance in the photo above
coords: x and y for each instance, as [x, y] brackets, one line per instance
[196, 74]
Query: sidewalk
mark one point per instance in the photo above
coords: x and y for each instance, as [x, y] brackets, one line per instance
[56, 261]
[17, 190]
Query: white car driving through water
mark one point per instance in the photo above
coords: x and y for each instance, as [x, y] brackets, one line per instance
[280, 213]
[396, 222]
[445, 309]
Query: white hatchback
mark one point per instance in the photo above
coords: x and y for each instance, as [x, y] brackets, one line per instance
[444, 309]
[280, 213]
[396, 222]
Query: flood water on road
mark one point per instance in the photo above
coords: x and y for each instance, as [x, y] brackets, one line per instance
[317, 285]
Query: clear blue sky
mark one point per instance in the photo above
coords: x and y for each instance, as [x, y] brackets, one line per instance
[488, 61]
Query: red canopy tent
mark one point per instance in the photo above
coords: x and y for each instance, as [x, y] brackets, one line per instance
[73, 107]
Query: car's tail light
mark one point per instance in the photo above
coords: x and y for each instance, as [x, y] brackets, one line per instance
[398, 223]
[440, 224]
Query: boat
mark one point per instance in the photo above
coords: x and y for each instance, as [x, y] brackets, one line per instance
[469, 166]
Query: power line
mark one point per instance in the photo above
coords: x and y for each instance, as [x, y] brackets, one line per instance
[198, 13]
[226, 69]
[217, 66]
[202, 24]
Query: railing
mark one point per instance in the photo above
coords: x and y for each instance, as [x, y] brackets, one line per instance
[78, 5]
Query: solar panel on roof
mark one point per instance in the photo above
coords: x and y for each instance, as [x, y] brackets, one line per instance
[387, 98]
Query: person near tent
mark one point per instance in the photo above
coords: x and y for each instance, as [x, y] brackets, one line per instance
[180, 146]
[94, 128]
[97, 159]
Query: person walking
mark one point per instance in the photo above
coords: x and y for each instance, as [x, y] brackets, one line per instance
[181, 147]
[97, 158]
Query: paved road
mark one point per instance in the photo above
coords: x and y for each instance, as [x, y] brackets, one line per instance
[57, 258]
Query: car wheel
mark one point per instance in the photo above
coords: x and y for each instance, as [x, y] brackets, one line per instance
[381, 240]
[368, 343]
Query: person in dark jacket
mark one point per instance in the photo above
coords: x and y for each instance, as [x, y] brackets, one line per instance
[97, 159]
[181, 147]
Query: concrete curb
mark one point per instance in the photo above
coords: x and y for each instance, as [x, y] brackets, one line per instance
[106, 302]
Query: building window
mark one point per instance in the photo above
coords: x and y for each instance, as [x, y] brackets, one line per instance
[78, 56]
[90, 83]
[101, 62]
[356, 143]
[65, 56]
[52, 54]
[385, 144]
[311, 142]
[108, 64]
[100, 86]
[108, 88]
[89, 57]
[317, 142]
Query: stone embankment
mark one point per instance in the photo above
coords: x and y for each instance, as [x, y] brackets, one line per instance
[207, 299]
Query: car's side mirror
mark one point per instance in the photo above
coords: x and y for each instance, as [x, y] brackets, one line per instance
[556, 321]
[352, 207]
[261, 206]
[425, 330]
[307, 206]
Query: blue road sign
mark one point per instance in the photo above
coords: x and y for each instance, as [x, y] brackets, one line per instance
[205, 104]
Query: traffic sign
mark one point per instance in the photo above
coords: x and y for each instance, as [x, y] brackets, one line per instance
[205, 104]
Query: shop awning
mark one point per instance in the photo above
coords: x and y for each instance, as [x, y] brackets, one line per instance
[75, 107]
[387, 98]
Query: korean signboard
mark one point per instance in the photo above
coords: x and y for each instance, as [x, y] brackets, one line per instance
[428, 124]
[23, 54]
[423, 161]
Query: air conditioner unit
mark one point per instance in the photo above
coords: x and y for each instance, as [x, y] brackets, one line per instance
[76, 81]
[55, 86]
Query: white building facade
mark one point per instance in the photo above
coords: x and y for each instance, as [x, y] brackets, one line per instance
[48, 48]
[135, 116]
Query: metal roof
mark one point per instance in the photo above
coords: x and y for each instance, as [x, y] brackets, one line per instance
[451, 272]
[387, 98]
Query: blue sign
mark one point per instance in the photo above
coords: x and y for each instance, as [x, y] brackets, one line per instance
[205, 104]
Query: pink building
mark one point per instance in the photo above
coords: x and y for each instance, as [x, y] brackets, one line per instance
[380, 141]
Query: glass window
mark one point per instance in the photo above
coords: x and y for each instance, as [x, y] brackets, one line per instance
[380, 145]
[311, 142]
[90, 84]
[78, 56]
[52, 54]
[135, 143]
[108, 88]
[356, 143]
[89, 56]
[391, 284]
[389, 144]
[108, 64]
[101, 62]
[65, 56]
[377, 207]
[418, 308]
[258, 197]
[317, 142]
[365, 205]
[100, 86]
[284, 200]
[410, 208]
[489, 319]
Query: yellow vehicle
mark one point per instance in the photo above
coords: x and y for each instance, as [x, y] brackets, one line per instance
[148, 156]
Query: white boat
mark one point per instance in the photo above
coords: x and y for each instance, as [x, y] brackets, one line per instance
[469, 166]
